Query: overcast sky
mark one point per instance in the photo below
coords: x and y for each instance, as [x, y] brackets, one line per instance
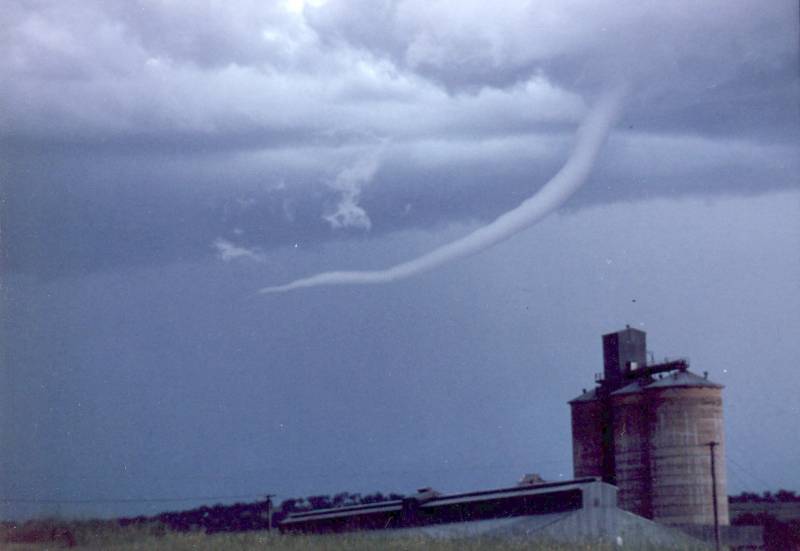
[161, 162]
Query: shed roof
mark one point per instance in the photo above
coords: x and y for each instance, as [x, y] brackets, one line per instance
[556, 496]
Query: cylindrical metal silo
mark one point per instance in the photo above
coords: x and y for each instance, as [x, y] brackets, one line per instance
[631, 426]
[685, 412]
[588, 414]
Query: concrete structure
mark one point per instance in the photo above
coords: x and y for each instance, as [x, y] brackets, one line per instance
[649, 429]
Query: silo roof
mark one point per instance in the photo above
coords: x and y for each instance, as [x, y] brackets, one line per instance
[683, 378]
[634, 387]
[586, 396]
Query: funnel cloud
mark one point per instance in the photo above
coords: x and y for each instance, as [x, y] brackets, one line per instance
[590, 137]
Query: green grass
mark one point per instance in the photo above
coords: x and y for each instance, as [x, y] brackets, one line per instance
[102, 535]
[263, 541]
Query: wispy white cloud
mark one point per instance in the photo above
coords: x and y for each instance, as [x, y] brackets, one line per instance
[348, 213]
[227, 251]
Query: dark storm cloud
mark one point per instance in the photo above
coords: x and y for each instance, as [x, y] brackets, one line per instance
[124, 68]
[130, 128]
[697, 67]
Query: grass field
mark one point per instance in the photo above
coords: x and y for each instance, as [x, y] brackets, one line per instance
[202, 542]
[101, 535]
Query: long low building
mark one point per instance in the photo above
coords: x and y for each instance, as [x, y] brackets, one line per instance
[576, 510]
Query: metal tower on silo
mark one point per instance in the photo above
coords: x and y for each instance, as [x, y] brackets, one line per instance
[649, 429]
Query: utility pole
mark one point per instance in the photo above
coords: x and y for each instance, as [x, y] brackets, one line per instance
[711, 446]
[269, 511]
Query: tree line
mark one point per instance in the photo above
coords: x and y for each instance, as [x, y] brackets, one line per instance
[242, 517]
[781, 496]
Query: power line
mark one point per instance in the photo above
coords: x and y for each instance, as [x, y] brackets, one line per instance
[749, 473]
[737, 474]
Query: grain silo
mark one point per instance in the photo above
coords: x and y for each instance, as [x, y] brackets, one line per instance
[631, 429]
[651, 430]
[685, 413]
[588, 419]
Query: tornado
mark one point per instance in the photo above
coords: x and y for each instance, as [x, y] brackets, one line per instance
[590, 137]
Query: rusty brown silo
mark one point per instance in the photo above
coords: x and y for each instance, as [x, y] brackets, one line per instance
[631, 424]
[685, 415]
[588, 420]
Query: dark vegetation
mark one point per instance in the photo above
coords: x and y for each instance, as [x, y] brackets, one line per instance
[38, 531]
[781, 496]
[239, 517]
[779, 535]
[243, 517]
